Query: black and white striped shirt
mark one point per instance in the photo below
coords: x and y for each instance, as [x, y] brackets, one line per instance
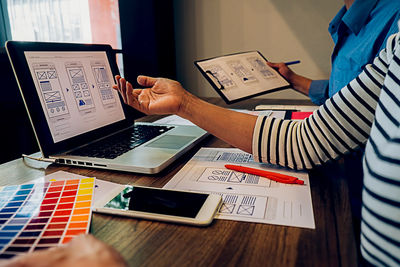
[341, 125]
[380, 225]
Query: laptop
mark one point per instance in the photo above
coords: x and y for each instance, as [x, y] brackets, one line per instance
[78, 119]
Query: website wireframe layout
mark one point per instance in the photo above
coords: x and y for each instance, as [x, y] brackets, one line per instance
[241, 75]
[75, 91]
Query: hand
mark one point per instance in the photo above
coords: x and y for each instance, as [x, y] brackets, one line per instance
[283, 69]
[82, 251]
[162, 96]
[298, 82]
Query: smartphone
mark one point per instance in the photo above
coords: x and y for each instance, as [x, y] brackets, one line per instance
[163, 205]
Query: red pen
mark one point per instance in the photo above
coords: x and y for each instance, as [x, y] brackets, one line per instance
[277, 177]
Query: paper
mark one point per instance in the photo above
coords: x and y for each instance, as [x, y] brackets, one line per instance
[241, 75]
[247, 197]
[176, 120]
[255, 112]
[286, 107]
[43, 214]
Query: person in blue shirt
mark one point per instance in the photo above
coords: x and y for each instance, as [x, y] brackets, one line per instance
[359, 30]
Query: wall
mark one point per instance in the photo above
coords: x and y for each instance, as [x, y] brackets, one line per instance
[104, 22]
[282, 30]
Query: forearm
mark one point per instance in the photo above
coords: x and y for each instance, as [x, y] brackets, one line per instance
[233, 127]
[339, 126]
[300, 83]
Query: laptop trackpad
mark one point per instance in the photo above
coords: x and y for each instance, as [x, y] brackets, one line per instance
[171, 141]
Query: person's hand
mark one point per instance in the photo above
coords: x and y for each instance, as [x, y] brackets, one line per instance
[82, 251]
[283, 69]
[160, 96]
[298, 82]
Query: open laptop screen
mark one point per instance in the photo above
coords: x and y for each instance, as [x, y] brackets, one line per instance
[75, 91]
[67, 92]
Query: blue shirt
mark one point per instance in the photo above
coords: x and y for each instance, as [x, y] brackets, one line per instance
[359, 34]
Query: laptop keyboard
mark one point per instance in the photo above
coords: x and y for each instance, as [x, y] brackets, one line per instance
[121, 143]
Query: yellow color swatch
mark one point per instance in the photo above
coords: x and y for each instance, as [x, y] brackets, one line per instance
[88, 185]
[85, 191]
[87, 180]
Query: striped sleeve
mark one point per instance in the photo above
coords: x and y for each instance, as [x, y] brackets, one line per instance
[380, 222]
[339, 126]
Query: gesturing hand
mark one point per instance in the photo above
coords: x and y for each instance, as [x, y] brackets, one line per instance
[161, 96]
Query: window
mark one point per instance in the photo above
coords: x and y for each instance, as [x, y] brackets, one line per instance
[78, 21]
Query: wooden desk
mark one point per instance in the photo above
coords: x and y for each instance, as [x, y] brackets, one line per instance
[147, 243]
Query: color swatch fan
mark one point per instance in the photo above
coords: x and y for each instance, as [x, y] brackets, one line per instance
[42, 215]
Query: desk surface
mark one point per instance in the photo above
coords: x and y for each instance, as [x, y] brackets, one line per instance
[224, 242]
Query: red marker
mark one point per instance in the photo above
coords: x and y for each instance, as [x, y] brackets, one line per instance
[277, 177]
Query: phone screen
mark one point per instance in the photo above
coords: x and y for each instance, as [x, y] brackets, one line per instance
[175, 203]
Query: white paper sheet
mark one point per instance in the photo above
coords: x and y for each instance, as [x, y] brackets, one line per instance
[247, 197]
[175, 119]
[286, 107]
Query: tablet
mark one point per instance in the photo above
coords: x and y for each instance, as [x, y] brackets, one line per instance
[241, 76]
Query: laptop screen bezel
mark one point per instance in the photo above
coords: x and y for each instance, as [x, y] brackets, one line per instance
[16, 51]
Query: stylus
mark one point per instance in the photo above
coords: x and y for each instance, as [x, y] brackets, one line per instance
[292, 62]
